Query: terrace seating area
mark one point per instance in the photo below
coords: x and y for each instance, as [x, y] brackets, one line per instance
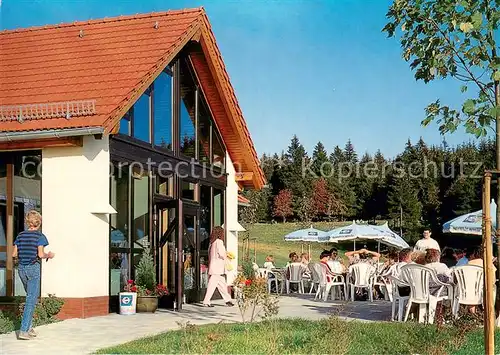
[417, 292]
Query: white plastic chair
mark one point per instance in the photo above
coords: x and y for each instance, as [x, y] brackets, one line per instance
[397, 298]
[418, 278]
[469, 286]
[361, 276]
[276, 276]
[319, 272]
[264, 273]
[295, 271]
[315, 277]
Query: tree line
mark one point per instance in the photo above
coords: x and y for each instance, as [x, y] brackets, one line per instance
[422, 187]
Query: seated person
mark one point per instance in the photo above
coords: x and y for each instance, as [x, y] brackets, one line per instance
[269, 264]
[461, 257]
[476, 258]
[448, 257]
[432, 261]
[293, 258]
[362, 256]
[335, 265]
[305, 262]
[392, 259]
[323, 259]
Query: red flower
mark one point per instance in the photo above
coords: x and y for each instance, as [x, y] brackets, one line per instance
[248, 282]
[133, 289]
[130, 282]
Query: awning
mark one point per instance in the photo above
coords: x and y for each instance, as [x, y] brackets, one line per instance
[234, 227]
[243, 201]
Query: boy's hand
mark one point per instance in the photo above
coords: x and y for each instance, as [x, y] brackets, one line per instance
[50, 255]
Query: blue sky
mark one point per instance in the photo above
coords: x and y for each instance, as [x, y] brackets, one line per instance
[320, 69]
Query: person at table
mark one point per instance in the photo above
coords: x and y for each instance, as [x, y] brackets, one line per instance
[362, 256]
[448, 257]
[432, 261]
[293, 258]
[335, 265]
[461, 257]
[269, 263]
[426, 243]
[476, 258]
[323, 260]
[392, 259]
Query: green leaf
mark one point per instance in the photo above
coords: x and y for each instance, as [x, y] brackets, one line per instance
[496, 75]
[466, 27]
[469, 106]
[463, 88]
[477, 20]
[492, 112]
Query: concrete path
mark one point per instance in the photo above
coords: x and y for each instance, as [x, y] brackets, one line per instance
[84, 336]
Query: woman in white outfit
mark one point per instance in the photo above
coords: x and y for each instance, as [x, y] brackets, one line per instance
[217, 257]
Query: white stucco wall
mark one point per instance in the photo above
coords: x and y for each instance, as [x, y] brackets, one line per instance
[75, 183]
[231, 219]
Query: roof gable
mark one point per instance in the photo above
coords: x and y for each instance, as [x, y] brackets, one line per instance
[112, 61]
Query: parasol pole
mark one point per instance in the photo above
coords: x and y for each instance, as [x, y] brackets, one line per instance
[489, 314]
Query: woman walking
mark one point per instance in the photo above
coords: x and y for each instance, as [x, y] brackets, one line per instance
[29, 249]
[217, 258]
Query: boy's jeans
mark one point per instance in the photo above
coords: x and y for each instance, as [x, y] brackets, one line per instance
[30, 277]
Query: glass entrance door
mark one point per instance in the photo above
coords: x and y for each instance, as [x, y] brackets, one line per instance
[165, 248]
[190, 258]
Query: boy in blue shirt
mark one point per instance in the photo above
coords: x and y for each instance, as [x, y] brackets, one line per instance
[29, 249]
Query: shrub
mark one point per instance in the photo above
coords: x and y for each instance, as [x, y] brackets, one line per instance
[251, 295]
[7, 323]
[146, 273]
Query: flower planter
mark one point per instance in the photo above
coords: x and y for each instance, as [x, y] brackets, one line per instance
[147, 304]
[127, 302]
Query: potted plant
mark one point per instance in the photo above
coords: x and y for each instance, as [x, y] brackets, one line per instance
[147, 300]
[165, 299]
[128, 298]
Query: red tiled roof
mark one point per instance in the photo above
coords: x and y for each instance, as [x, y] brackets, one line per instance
[112, 61]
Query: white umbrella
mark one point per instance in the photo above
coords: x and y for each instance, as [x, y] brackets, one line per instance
[307, 235]
[391, 239]
[471, 223]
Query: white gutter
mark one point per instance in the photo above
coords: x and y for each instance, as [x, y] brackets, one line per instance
[49, 133]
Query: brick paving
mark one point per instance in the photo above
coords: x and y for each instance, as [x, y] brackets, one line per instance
[84, 336]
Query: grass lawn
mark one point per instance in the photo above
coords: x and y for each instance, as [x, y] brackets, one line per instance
[269, 241]
[297, 336]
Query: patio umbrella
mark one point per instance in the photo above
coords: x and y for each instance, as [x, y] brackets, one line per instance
[354, 232]
[471, 223]
[390, 238]
[308, 235]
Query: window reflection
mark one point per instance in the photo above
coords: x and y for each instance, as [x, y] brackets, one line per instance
[119, 258]
[218, 154]
[218, 207]
[125, 124]
[189, 249]
[142, 118]
[162, 97]
[140, 222]
[205, 216]
[204, 125]
[188, 190]
[187, 111]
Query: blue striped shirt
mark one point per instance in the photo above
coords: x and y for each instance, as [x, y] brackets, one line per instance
[27, 246]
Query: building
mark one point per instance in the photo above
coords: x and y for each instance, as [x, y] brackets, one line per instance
[142, 144]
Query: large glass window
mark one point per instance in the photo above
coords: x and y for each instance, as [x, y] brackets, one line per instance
[119, 256]
[140, 222]
[164, 185]
[125, 124]
[218, 154]
[141, 120]
[204, 126]
[218, 207]
[162, 105]
[187, 119]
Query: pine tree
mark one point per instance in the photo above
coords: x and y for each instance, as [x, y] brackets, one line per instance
[321, 165]
[349, 153]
